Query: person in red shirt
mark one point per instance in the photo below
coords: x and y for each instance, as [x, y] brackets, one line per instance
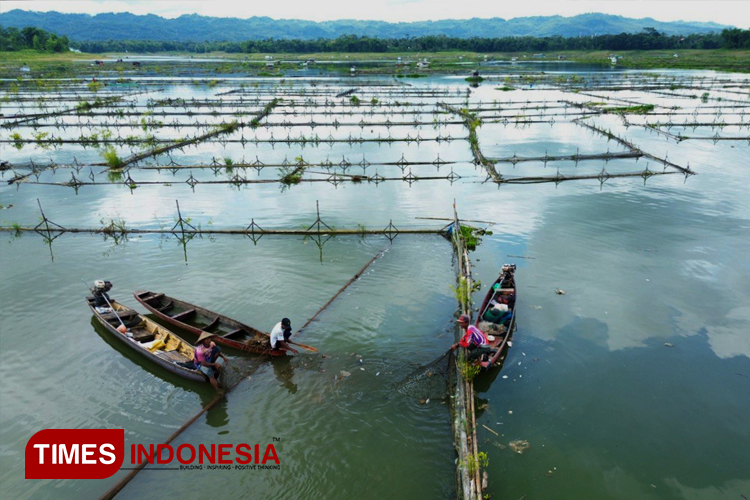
[474, 340]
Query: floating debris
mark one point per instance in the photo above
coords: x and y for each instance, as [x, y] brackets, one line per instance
[519, 446]
[494, 432]
[667, 344]
[559, 291]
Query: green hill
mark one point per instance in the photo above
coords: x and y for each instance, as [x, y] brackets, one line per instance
[195, 28]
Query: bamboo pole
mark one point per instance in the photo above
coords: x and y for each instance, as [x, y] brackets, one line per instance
[474, 143]
[281, 232]
[223, 129]
[346, 285]
[464, 422]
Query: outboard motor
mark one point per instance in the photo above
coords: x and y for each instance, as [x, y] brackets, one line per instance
[101, 287]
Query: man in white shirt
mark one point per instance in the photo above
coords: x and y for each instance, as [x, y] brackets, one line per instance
[280, 336]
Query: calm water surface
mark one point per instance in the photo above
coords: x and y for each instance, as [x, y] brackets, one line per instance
[609, 409]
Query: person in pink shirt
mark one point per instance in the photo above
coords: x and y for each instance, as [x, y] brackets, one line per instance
[206, 355]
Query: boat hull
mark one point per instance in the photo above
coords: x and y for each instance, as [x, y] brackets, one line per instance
[168, 365]
[505, 285]
[197, 320]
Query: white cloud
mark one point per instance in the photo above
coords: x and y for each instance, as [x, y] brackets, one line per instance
[732, 12]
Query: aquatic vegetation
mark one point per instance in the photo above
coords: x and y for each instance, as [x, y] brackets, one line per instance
[289, 176]
[92, 139]
[17, 140]
[85, 106]
[468, 370]
[111, 158]
[16, 229]
[95, 86]
[113, 225]
[461, 292]
[114, 228]
[148, 122]
[472, 236]
[149, 141]
[641, 109]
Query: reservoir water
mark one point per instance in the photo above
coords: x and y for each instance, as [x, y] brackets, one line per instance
[633, 384]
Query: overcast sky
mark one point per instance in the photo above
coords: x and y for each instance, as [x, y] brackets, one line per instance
[731, 12]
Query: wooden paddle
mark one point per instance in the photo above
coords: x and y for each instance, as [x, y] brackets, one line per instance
[303, 346]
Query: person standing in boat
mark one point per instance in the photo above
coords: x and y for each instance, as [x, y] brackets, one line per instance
[280, 335]
[206, 355]
[474, 340]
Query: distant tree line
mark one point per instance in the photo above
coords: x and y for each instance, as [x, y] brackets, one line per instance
[648, 39]
[32, 38]
[736, 38]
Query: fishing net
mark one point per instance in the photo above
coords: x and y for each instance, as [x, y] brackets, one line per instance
[428, 381]
[238, 369]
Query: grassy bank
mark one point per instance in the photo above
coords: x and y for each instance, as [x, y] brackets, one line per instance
[720, 59]
[70, 64]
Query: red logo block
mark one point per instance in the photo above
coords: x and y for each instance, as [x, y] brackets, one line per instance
[75, 453]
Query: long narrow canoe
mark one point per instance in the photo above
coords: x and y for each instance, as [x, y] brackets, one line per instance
[197, 320]
[499, 331]
[152, 341]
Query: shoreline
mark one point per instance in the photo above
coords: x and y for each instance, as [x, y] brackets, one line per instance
[42, 64]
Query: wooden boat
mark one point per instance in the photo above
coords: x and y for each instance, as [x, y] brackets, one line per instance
[149, 339]
[490, 319]
[197, 320]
